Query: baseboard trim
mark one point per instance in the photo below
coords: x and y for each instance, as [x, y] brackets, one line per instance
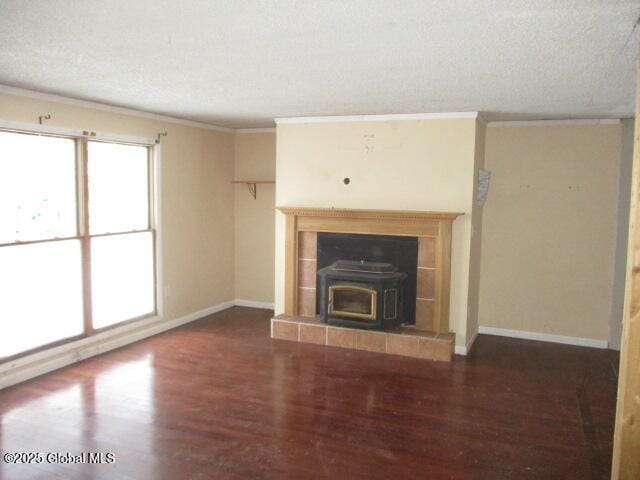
[253, 304]
[466, 349]
[545, 337]
[25, 368]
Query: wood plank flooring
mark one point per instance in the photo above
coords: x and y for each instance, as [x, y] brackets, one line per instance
[218, 399]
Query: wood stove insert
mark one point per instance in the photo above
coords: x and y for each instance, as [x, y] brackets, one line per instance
[367, 295]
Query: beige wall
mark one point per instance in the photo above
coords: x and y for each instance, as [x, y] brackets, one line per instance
[401, 165]
[196, 195]
[549, 229]
[255, 159]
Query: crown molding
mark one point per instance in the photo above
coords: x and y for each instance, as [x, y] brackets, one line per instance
[285, 120]
[555, 123]
[482, 119]
[377, 118]
[109, 108]
[256, 130]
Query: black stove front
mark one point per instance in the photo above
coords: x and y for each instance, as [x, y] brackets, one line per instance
[361, 294]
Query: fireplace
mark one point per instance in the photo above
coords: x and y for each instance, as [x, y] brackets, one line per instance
[367, 295]
[357, 301]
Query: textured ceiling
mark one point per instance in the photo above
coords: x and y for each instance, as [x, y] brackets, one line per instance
[241, 63]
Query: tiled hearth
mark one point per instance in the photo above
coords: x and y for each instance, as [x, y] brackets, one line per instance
[408, 342]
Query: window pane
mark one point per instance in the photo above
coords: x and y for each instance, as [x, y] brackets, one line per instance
[41, 300]
[122, 277]
[118, 188]
[37, 187]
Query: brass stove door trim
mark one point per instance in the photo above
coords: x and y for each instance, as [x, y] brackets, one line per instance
[364, 316]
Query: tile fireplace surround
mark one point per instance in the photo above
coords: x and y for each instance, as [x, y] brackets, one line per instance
[429, 338]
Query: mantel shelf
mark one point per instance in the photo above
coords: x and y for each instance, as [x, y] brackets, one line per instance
[368, 214]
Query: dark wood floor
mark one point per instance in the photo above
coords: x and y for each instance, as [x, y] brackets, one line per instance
[219, 399]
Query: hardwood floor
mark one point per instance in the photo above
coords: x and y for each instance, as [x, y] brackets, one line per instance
[218, 398]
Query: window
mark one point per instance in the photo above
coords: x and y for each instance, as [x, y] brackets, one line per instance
[120, 231]
[77, 238]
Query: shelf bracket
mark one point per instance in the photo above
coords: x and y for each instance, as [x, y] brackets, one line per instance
[253, 190]
[252, 185]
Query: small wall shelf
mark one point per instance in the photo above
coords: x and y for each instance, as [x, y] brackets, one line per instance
[252, 185]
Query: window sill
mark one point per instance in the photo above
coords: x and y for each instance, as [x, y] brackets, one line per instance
[79, 348]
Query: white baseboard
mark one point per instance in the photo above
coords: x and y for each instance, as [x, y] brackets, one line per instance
[460, 350]
[465, 349]
[24, 368]
[253, 304]
[545, 337]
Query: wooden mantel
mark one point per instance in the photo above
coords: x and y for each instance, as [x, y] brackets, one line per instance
[359, 213]
[378, 222]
